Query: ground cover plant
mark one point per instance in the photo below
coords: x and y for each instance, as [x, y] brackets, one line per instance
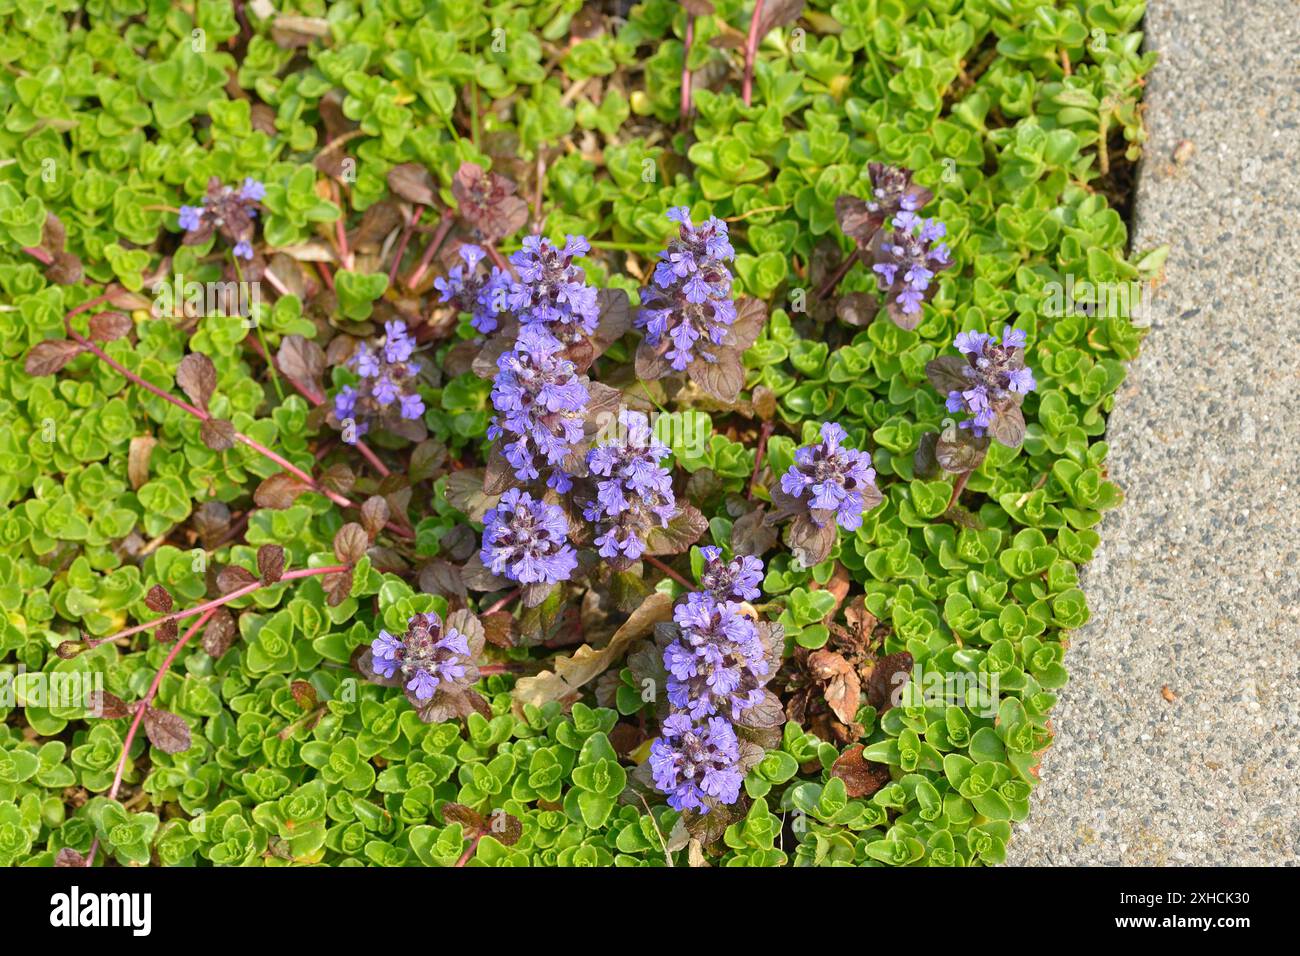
[551, 433]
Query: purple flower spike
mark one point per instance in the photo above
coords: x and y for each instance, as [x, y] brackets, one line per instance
[428, 656]
[551, 290]
[832, 479]
[694, 762]
[527, 540]
[243, 250]
[481, 294]
[541, 404]
[252, 190]
[718, 664]
[737, 580]
[906, 261]
[997, 376]
[191, 217]
[634, 492]
[387, 392]
[690, 302]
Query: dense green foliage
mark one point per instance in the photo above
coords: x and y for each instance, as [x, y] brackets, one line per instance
[1021, 116]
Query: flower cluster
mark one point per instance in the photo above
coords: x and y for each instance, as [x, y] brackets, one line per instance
[541, 403]
[907, 259]
[835, 478]
[552, 290]
[226, 209]
[690, 301]
[428, 656]
[692, 760]
[482, 294]
[634, 491]
[526, 540]
[997, 376]
[893, 192]
[737, 580]
[718, 664]
[388, 383]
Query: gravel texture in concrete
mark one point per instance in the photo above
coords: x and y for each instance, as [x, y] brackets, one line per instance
[1195, 587]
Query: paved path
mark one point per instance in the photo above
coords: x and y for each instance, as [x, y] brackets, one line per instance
[1196, 585]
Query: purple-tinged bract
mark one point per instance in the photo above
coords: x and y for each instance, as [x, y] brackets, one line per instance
[541, 405]
[735, 580]
[693, 762]
[717, 664]
[387, 388]
[633, 491]
[527, 540]
[482, 294]
[997, 375]
[690, 302]
[831, 479]
[428, 656]
[551, 290]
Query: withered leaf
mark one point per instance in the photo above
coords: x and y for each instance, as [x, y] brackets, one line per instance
[158, 599]
[842, 689]
[197, 377]
[108, 326]
[69, 857]
[304, 694]
[722, 379]
[587, 663]
[957, 450]
[167, 632]
[750, 534]
[279, 491]
[218, 434]
[413, 183]
[166, 731]
[470, 819]
[46, 358]
[888, 677]
[302, 360]
[137, 460]
[809, 542]
[350, 543]
[858, 309]
[219, 633]
[498, 628]
[862, 778]
[270, 563]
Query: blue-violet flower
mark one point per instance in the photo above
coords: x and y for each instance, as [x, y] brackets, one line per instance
[483, 295]
[428, 656]
[552, 290]
[387, 389]
[527, 540]
[833, 477]
[735, 580]
[997, 374]
[692, 762]
[718, 663]
[634, 491]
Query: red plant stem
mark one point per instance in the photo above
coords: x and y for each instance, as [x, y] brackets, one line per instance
[38, 253]
[655, 562]
[402, 243]
[751, 50]
[686, 70]
[764, 434]
[340, 500]
[366, 452]
[325, 274]
[341, 235]
[497, 606]
[469, 850]
[444, 227]
[217, 602]
[140, 708]
[958, 488]
[838, 275]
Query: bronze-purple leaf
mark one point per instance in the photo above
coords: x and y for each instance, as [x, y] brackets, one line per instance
[947, 373]
[108, 326]
[279, 491]
[107, 706]
[219, 633]
[218, 434]
[350, 543]
[413, 183]
[302, 360]
[46, 358]
[338, 586]
[374, 515]
[158, 599]
[862, 778]
[166, 731]
[197, 377]
[270, 563]
[684, 529]
[233, 578]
